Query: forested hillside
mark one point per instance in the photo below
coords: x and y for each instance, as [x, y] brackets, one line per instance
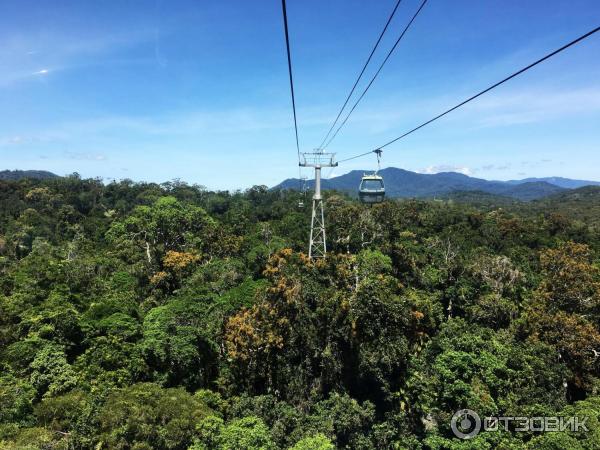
[21, 174]
[143, 316]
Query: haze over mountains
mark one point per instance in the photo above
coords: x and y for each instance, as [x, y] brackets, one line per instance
[404, 183]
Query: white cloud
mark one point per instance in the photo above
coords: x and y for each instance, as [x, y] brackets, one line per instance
[30, 138]
[191, 123]
[534, 105]
[15, 140]
[85, 156]
[499, 167]
[61, 51]
[446, 168]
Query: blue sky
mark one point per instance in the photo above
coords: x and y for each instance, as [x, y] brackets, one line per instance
[198, 90]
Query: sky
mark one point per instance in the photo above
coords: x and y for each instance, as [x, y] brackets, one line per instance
[198, 90]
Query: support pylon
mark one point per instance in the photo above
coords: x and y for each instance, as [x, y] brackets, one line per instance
[317, 246]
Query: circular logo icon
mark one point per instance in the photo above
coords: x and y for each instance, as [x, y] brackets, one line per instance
[465, 424]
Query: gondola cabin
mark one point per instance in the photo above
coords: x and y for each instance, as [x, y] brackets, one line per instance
[371, 189]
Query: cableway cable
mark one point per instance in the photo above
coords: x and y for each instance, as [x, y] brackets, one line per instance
[376, 74]
[524, 69]
[289, 59]
[361, 73]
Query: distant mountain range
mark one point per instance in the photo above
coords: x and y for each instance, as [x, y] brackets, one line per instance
[566, 183]
[20, 174]
[404, 183]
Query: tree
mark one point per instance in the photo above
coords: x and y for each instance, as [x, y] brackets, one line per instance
[146, 414]
[571, 283]
[174, 345]
[246, 433]
[16, 400]
[167, 225]
[466, 366]
[317, 442]
[51, 374]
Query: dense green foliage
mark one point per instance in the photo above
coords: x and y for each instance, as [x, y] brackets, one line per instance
[144, 316]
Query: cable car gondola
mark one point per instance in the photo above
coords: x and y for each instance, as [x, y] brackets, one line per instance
[372, 188]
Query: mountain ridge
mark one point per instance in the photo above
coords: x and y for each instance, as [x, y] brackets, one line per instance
[566, 183]
[14, 175]
[401, 183]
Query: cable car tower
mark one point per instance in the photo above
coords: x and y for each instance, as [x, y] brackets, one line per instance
[317, 246]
